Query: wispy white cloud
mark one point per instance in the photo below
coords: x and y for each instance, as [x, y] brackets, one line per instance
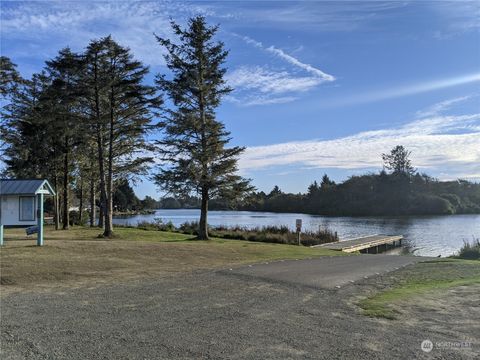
[132, 24]
[442, 106]
[458, 16]
[313, 15]
[265, 84]
[74, 24]
[288, 58]
[271, 82]
[317, 72]
[448, 146]
[261, 100]
[396, 92]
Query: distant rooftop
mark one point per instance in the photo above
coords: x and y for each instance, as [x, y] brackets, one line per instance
[25, 187]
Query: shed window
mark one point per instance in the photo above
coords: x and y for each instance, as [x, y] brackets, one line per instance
[27, 208]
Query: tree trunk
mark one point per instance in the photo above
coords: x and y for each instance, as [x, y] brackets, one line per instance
[56, 203]
[66, 217]
[101, 153]
[108, 231]
[92, 201]
[101, 215]
[101, 168]
[203, 225]
[80, 210]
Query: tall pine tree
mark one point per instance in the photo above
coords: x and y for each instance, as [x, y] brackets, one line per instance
[194, 148]
[21, 132]
[120, 109]
[65, 117]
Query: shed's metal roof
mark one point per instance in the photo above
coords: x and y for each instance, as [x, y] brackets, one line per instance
[24, 187]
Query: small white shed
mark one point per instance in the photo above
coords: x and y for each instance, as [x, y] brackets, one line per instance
[21, 204]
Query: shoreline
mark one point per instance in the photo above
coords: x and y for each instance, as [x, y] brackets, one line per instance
[133, 213]
[321, 215]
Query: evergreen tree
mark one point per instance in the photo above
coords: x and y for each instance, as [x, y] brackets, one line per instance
[32, 144]
[194, 146]
[124, 197]
[120, 110]
[275, 191]
[22, 133]
[65, 116]
[10, 79]
[149, 203]
[95, 83]
[313, 188]
[398, 161]
[326, 182]
[9, 82]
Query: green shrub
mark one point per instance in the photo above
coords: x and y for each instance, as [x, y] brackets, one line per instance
[75, 218]
[470, 251]
[431, 204]
[274, 234]
[157, 224]
[190, 228]
[271, 234]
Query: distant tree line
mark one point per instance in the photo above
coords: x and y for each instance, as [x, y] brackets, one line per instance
[379, 194]
[396, 190]
[84, 120]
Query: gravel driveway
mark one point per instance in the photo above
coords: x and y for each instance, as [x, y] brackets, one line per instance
[216, 315]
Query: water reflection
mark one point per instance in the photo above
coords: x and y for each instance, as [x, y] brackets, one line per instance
[424, 235]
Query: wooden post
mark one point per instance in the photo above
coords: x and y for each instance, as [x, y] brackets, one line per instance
[40, 220]
[298, 237]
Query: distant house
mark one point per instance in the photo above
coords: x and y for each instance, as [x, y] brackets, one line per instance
[21, 204]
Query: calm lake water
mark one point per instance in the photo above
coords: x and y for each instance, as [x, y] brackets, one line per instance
[424, 235]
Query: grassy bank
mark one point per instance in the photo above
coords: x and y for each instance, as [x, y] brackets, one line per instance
[77, 255]
[268, 234]
[469, 251]
[433, 276]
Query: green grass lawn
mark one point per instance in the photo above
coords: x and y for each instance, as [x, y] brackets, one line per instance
[423, 277]
[79, 255]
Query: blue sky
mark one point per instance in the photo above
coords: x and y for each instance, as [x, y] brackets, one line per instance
[320, 87]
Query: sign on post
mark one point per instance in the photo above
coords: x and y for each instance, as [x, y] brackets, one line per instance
[298, 224]
[31, 230]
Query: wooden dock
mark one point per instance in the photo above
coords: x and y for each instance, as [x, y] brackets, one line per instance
[366, 244]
